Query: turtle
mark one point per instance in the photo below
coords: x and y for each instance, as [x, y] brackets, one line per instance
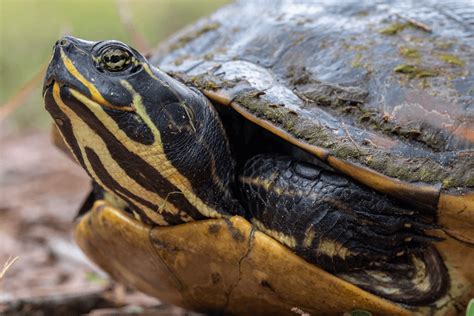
[296, 158]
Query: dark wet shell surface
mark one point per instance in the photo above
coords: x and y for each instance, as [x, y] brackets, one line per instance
[386, 86]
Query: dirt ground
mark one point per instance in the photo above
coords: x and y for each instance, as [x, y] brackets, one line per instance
[40, 191]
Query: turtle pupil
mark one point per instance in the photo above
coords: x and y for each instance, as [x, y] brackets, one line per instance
[116, 59]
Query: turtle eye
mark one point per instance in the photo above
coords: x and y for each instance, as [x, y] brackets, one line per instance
[116, 59]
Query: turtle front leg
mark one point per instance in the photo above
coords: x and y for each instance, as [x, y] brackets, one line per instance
[344, 227]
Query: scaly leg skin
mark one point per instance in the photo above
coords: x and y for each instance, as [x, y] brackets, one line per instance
[346, 228]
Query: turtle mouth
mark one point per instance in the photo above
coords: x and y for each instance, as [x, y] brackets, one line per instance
[48, 84]
[93, 103]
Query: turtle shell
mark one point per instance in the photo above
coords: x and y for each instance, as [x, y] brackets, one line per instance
[382, 92]
[230, 268]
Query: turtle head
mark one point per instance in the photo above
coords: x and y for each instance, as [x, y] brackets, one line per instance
[96, 70]
[139, 133]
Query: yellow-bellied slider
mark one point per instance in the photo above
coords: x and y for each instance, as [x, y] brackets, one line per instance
[347, 139]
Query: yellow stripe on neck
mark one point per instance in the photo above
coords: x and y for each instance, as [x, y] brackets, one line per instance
[161, 162]
[152, 154]
[88, 138]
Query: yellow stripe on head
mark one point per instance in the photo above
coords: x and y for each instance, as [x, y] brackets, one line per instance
[95, 94]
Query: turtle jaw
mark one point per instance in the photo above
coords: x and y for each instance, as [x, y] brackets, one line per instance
[52, 87]
[48, 85]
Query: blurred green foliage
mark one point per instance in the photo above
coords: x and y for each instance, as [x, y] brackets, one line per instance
[29, 28]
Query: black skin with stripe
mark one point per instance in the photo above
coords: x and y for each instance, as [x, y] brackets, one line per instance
[295, 197]
[131, 163]
[380, 235]
[298, 196]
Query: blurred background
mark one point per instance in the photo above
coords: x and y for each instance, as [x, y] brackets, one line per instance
[42, 272]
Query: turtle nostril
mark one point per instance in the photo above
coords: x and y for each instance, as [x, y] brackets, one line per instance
[62, 42]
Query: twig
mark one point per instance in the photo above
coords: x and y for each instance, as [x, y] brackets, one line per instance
[126, 18]
[7, 265]
[20, 97]
[368, 141]
[416, 23]
[349, 136]
[28, 88]
[68, 302]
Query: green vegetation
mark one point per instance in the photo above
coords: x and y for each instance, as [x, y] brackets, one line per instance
[357, 61]
[29, 28]
[470, 308]
[192, 35]
[409, 52]
[451, 59]
[414, 71]
[394, 28]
